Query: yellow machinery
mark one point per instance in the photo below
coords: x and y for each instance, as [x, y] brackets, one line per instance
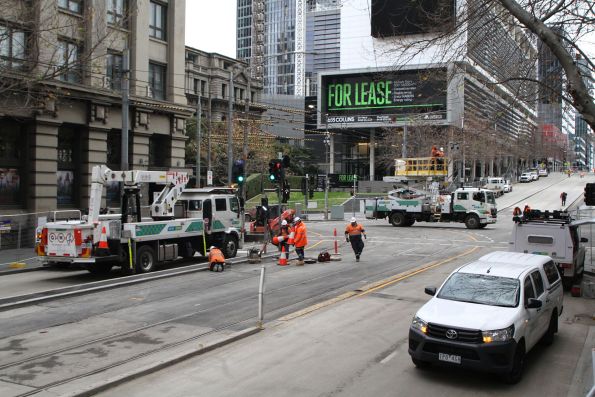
[421, 166]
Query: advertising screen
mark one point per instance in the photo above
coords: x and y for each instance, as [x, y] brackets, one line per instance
[382, 98]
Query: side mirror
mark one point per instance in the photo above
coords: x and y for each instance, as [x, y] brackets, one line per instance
[584, 240]
[430, 290]
[534, 303]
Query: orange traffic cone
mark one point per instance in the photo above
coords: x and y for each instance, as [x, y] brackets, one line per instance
[282, 257]
[102, 247]
[291, 237]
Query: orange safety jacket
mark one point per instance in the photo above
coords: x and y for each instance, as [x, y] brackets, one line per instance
[216, 256]
[354, 230]
[517, 211]
[300, 239]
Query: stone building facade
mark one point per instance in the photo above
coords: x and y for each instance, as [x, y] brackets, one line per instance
[60, 96]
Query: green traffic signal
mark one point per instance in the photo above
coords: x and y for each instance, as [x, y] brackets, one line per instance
[272, 177]
[240, 178]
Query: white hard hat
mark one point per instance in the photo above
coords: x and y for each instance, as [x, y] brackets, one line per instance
[296, 219]
[212, 247]
[526, 204]
[353, 219]
[441, 149]
[283, 222]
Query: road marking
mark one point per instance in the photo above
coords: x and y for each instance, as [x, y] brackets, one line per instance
[373, 287]
[388, 358]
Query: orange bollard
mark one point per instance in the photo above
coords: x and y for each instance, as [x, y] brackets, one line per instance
[282, 257]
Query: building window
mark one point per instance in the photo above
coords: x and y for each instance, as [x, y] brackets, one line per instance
[116, 12]
[196, 86]
[68, 164]
[12, 163]
[71, 5]
[157, 21]
[157, 80]
[12, 47]
[68, 61]
[223, 90]
[203, 88]
[113, 71]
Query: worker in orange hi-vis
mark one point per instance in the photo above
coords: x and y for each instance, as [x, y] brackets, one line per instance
[216, 259]
[300, 239]
[353, 233]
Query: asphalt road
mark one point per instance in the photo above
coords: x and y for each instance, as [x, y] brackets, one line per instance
[57, 342]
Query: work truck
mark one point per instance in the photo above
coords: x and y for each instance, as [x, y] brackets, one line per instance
[473, 206]
[182, 222]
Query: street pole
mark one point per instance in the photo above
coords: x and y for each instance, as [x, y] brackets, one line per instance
[245, 157]
[404, 148]
[354, 193]
[230, 129]
[125, 109]
[327, 141]
[198, 137]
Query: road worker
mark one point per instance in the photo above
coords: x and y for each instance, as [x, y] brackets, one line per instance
[516, 214]
[216, 259]
[353, 234]
[300, 239]
[527, 211]
[284, 232]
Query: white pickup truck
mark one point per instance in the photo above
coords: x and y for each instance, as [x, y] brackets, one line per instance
[488, 314]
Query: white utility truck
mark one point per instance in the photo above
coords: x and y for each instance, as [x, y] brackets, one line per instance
[99, 242]
[475, 207]
[556, 235]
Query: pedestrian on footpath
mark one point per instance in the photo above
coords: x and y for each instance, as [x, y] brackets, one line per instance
[563, 198]
[216, 259]
[300, 239]
[353, 234]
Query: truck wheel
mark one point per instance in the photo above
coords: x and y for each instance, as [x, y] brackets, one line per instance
[483, 225]
[472, 221]
[145, 259]
[548, 337]
[410, 222]
[397, 219]
[518, 363]
[230, 246]
[100, 269]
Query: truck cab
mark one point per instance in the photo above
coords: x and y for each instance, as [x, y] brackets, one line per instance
[496, 185]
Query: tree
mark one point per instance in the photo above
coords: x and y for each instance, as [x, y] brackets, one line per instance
[561, 25]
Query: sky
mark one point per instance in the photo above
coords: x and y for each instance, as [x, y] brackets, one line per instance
[211, 26]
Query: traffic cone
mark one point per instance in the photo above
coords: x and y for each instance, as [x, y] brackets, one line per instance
[291, 237]
[103, 248]
[282, 257]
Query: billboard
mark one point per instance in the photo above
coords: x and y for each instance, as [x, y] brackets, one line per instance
[382, 98]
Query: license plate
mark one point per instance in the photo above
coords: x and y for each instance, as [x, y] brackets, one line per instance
[449, 358]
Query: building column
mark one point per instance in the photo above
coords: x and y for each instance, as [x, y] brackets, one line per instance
[43, 188]
[372, 153]
[491, 173]
[94, 153]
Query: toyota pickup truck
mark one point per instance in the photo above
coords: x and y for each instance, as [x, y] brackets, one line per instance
[488, 314]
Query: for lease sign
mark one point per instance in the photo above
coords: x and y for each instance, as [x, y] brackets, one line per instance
[383, 97]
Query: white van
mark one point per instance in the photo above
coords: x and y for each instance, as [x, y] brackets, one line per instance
[496, 185]
[556, 235]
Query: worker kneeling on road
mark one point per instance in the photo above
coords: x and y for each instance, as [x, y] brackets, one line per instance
[216, 259]
[353, 234]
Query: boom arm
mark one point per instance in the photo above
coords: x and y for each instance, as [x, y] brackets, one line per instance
[174, 182]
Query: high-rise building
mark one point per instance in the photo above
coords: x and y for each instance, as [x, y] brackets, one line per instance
[583, 131]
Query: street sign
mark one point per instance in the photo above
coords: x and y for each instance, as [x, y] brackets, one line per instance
[320, 182]
[210, 178]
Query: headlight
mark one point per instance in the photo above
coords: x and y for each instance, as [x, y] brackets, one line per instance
[419, 324]
[498, 335]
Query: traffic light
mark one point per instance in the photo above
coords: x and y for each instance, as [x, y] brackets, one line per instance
[286, 192]
[590, 194]
[237, 172]
[275, 170]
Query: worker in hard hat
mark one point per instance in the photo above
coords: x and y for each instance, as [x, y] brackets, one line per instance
[300, 239]
[216, 259]
[284, 233]
[526, 211]
[353, 233]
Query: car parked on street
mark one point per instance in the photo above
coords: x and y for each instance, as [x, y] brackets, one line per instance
[526, 177]
[534, 174]
[543, 172]
[507, 186]
[488, 314]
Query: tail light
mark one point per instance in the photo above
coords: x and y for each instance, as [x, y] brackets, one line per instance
[78, 237]
[44, 236]
[87, 247]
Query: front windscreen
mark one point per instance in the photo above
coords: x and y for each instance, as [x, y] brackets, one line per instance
[481, 289]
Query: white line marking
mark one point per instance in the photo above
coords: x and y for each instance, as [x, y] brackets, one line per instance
[388, 358]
